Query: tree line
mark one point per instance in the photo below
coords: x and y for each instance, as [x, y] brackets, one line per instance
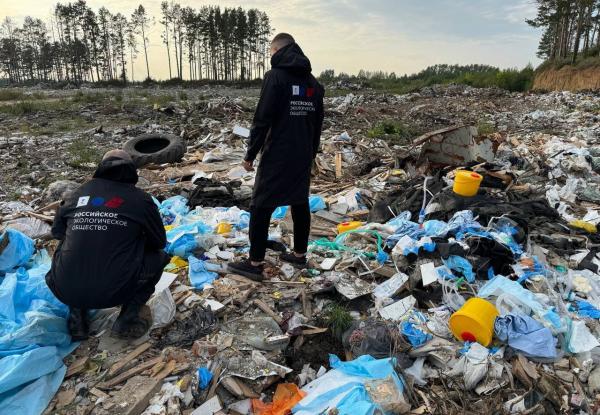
[79, 44]
[479, 76]
[570, 28]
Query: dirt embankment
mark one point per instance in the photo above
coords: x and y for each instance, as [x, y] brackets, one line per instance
[568, 78]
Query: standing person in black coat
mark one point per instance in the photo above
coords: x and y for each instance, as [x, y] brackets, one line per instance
[110, 251]
[286, 130]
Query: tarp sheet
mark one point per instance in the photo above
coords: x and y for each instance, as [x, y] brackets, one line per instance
[34, 339]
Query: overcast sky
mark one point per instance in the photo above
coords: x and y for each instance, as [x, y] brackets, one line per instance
[403, 36]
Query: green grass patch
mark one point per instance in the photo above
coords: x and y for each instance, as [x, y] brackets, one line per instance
[162, 100]
[21, 108]
[11, 94]
[31, 107]
[81, 97]
[83, 154]
[394, 132]
[485, 127]
[336, 92]
[338, 319]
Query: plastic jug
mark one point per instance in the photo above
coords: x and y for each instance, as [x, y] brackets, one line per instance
[348, 226]
[466, 183]
[474, 321]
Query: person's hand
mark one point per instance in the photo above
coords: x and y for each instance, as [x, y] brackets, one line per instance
[247, 165]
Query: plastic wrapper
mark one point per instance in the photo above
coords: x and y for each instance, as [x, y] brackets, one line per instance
[286, 396]
[527, 335]
[16, 249]
[344, 387]
[199, 275]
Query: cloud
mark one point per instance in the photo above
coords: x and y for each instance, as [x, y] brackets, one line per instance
[403, 36]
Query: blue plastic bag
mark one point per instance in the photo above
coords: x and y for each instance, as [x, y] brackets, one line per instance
[527, 335]
[461, 265]
[415, 336]
[435, 228]
[280, 212]
[585, 309]
[462, 221]
[204, 378]
[19, 250]
[316, 203]
[198, 274]
[181, 241]
[173, 207]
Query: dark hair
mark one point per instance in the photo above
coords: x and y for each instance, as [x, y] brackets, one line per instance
[283, 39]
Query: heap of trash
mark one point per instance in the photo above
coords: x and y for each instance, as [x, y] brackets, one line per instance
[457, 273]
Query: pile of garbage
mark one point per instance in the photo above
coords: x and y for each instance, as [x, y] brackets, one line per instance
[456, 273]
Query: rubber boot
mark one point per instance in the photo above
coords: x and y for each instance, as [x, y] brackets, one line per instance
[133, 322]
[78, 324]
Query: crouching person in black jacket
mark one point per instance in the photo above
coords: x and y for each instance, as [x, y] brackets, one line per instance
[110, 251]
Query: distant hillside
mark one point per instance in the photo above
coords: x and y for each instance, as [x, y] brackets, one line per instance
[584, 76]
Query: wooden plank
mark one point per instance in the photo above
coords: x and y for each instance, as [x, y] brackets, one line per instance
[330, 216]
[358, 213]
[310, 332]
[306, 305]
[241, 279]
[166, 371]
[130, 373]
[265, 307]
[215, 382]
[77, 367]
[99, 394]
[338, 165]
[117, 367]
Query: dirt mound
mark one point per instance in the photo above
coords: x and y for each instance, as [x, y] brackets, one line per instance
[568, 78]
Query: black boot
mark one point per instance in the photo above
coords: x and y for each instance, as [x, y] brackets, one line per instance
[133, 322]
[246, 269]
[291, 258]
[78, 324]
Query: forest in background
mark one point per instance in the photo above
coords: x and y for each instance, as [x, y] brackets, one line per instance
[214, 45]
[571, 30]
[79, 44]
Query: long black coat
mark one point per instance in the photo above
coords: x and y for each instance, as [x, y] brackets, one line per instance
[287, 129]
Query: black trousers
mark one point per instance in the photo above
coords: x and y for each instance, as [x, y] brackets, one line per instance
[260, 218]
[152, 269]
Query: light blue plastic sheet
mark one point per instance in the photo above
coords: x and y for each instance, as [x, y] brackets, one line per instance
[415, 336]
[181, 241]
[280, 212]
[316, 203]
[460, 265]
[585, 309]
[343, 387]
[172, 207]
[500, 284]
[19, 250]
[525, 334]
[199, 275]
[34, 340]
[404, 227]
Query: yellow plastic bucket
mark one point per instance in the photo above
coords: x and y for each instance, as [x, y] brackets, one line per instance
[466, 183]
[474, 321]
